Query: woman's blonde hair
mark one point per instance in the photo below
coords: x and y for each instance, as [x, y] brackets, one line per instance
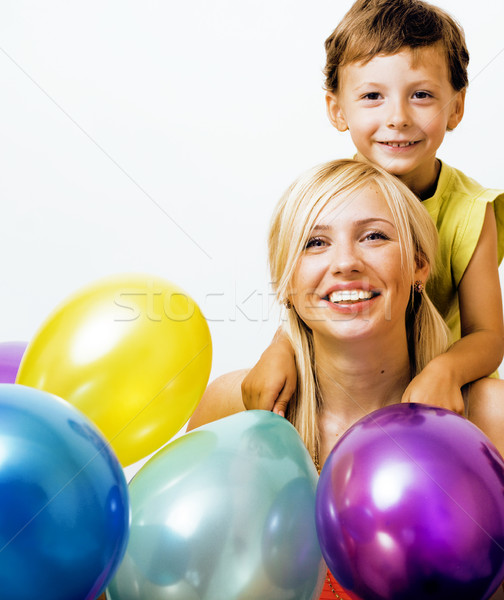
[292, 222]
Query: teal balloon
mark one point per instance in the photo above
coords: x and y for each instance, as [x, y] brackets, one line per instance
[289, 543]
[64, 507]
[224, 512]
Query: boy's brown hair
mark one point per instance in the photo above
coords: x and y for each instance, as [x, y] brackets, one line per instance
[373, 27]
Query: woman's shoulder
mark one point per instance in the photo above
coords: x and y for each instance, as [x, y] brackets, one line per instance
[221, 398]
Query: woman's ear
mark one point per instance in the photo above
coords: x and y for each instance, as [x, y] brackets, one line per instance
[457, 110]
[422, 269]
[335, 112]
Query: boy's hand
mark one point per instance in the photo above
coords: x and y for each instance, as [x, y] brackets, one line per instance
[436, 387]
[272, 382]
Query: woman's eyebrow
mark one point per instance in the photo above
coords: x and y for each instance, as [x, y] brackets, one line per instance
[318, 227]
[374, 220]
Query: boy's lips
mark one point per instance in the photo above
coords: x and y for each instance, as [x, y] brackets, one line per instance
[399, 144]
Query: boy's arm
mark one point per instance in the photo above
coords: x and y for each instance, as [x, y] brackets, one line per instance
[272, 382]
[479, 351]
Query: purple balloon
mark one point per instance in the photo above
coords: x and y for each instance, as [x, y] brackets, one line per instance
[410, 505]
[11, 354]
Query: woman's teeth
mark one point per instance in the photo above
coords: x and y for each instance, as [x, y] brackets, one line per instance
[350, 296]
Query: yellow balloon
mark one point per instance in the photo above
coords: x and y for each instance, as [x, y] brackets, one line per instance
[133, 353]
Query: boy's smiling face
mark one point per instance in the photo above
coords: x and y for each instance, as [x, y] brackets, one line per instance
[397, 109]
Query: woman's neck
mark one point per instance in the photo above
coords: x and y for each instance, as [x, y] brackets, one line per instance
[357, 381]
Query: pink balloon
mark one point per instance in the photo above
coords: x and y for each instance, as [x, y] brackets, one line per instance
[11, 354]
[410, 505]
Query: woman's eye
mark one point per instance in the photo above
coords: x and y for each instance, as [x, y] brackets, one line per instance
[315, 243]
[376, 235]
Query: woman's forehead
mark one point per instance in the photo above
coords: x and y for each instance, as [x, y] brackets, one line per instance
[365, 203]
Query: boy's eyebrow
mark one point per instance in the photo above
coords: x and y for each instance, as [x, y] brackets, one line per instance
[368, 84]
[430, 83]
[365, 86]
[419, 83]
[426, 82]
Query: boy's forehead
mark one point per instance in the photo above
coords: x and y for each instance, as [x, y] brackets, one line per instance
[431, 59]
[426, 55]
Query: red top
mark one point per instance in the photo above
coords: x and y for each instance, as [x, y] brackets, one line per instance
[332, 590]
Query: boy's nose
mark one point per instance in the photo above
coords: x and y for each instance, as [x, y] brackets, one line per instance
[398, 116]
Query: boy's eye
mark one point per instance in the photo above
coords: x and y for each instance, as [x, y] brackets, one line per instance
[371, 96]
[315, 242]
[422, 95]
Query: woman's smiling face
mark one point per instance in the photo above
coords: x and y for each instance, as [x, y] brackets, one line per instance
[349, 282]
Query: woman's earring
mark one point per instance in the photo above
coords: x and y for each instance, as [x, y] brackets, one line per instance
[287, 303]
[418, 286]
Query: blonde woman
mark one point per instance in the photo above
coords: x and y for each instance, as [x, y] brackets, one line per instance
[350, 250]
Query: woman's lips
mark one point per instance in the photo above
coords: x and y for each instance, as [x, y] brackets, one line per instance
[350, 296]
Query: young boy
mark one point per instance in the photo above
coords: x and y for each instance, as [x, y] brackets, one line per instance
[396, 76]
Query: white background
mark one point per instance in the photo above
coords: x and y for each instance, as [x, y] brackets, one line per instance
[157, 136]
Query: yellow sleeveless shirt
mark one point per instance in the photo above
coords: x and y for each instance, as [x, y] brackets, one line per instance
[458, 210]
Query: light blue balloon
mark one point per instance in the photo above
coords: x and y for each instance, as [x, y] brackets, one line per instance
[64, 508]
[224, 512]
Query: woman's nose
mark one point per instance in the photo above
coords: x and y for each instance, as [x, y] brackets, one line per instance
[345, 259]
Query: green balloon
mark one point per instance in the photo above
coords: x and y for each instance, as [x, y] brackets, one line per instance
[224, 512]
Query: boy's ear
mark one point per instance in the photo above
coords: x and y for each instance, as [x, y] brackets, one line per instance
[457, 110]
[335, 112]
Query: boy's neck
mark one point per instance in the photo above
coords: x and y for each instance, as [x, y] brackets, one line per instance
[423, 184]
[422, 181]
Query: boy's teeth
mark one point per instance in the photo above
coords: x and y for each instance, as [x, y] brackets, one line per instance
[399, 144]
[350, 296]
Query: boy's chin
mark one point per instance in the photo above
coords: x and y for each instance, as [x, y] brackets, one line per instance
[395, 166]
[400, 167]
